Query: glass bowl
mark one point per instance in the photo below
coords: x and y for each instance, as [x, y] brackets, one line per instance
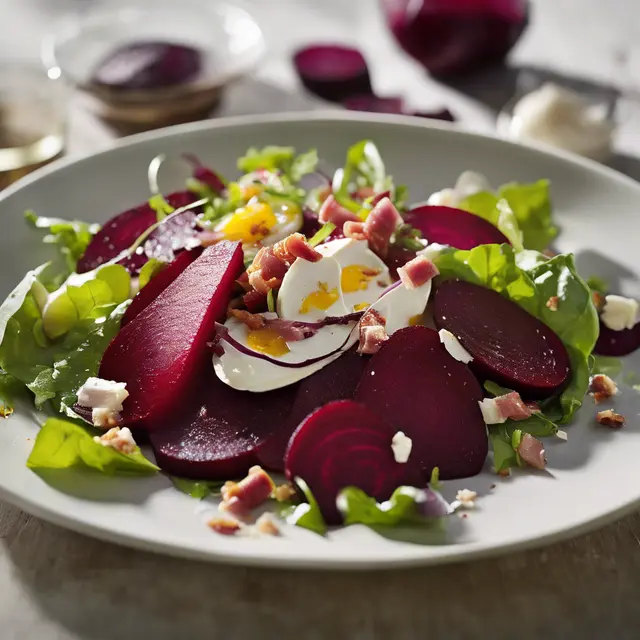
[228, 38]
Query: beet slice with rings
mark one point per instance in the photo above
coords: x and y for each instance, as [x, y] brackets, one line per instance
[508, 345]
[333, 72]
[217, 431]
[455, 227]
[160, 352]
[345, 444]
[158, 284]
[617, 343]
[120, 232]
[336, 381]
[415, 385]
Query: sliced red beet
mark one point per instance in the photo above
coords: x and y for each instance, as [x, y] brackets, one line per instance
[336, 381]
[508, 345]
[617, 343]
[374, 104]
[119, 233]
[397, 257]
[455, 227]
[204, 174]
[414, 384]
[161, 350]
[158, 284]
[216, 431]
[345, 444]
[333, 72]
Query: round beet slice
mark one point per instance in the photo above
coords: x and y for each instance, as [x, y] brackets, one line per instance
[333, 72]
[345, 444]
[508, 345]
[119, 233]
[455, 227]
[617, 343]
[414, 384]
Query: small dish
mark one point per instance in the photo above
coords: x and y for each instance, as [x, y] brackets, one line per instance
[227, 37]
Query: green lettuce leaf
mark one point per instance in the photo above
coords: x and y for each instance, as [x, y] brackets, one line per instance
[306, 514]
[62, 444]
[150, 269]
[598, 284]
[198, 489]
[273, 158]
[10, 390]
[71, 237]
[607, 365]
[530, 204]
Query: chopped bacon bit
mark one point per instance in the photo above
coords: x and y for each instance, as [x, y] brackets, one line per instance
[372, 318]
[511, 406]
[295, 246]
[255, 301]
[372, 333]
[224, 525]
[610, 418]
[250, 492]
[552, 303]
[354, 230]
[417, 272]
[284, 492]
[380, 226]
[243, 281]
[332, 211]
[531, 450]
[266, 525]
[253, 320]
[602, 387]
[267, 271]
[548, 253]
[504, 473]
[598, 300]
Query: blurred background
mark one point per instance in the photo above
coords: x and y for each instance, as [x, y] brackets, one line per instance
[99, 69]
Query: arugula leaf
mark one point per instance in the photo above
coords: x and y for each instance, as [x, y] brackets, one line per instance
[150, 269]
[306, 514]
[607, 365]
[62, 444]
[595, 283]
[271, 158]
[199, 489]
[70, 236]
[530, 204]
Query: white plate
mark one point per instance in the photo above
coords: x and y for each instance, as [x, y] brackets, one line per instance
[593, 478]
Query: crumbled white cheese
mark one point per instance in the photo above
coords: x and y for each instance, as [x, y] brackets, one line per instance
[119, 439]
[401, 447]
[465, 499]
[444, 198]
[96, 392]
[491, 412]
[562, 435]
[432, 251]
[453, 346]
[468, 184]
[619, 312]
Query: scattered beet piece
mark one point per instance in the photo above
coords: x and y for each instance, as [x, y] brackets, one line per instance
[415, 385]
[215, 433]
[455, 227]
[617, 343]
[148, 65]
[508, 345]
[161, 350]
[440, 114]
[374, 104]
[336, 381]
[204, 174]
[119, 233]
[333, 72]
[346, 444]
[158, 284]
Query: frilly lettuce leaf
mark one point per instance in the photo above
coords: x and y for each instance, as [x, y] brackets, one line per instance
[306, 514]
[530, 204]
[284, 159]
[62, 444]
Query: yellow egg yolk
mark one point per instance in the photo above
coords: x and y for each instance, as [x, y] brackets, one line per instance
[252, 191]
[414, 320]
[267, 341]
[361, 307]
[250, 224]
[321, 299]
[356, 277]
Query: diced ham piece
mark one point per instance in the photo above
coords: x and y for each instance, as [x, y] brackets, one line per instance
[380, 226]
[295, 246]
[417, 272]
[354, 230]
[380, 196]
[531, 450]
[372, 332]
[332, 211]
[253, 321]
[267, 271]
[241, 497]
[500, 409]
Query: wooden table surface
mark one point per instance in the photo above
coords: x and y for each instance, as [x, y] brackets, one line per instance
[55, 584]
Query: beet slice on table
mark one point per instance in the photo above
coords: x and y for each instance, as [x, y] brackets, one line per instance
[508, 345]
[161, 350]
[455, 227]
[346, 444]
[415, 385]
[617, 343]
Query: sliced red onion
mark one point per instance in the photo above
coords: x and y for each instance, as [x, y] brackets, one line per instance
[434, 505]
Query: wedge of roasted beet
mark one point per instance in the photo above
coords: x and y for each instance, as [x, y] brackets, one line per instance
[415, 385]
[455, 227]
[333, 72]
[158, 284]
[617, 343]
[216, 431]
[336, 381]
[161, 350]
[374, 104]
[508, 345]
[119, 233]
[397, 257]
[345, 444]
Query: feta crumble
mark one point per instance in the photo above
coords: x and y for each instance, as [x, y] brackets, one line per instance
[491, 411]
[105, 398]
[619, 313]
[119, 439]
[453, 346]
[465, 499]
[401, 446]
